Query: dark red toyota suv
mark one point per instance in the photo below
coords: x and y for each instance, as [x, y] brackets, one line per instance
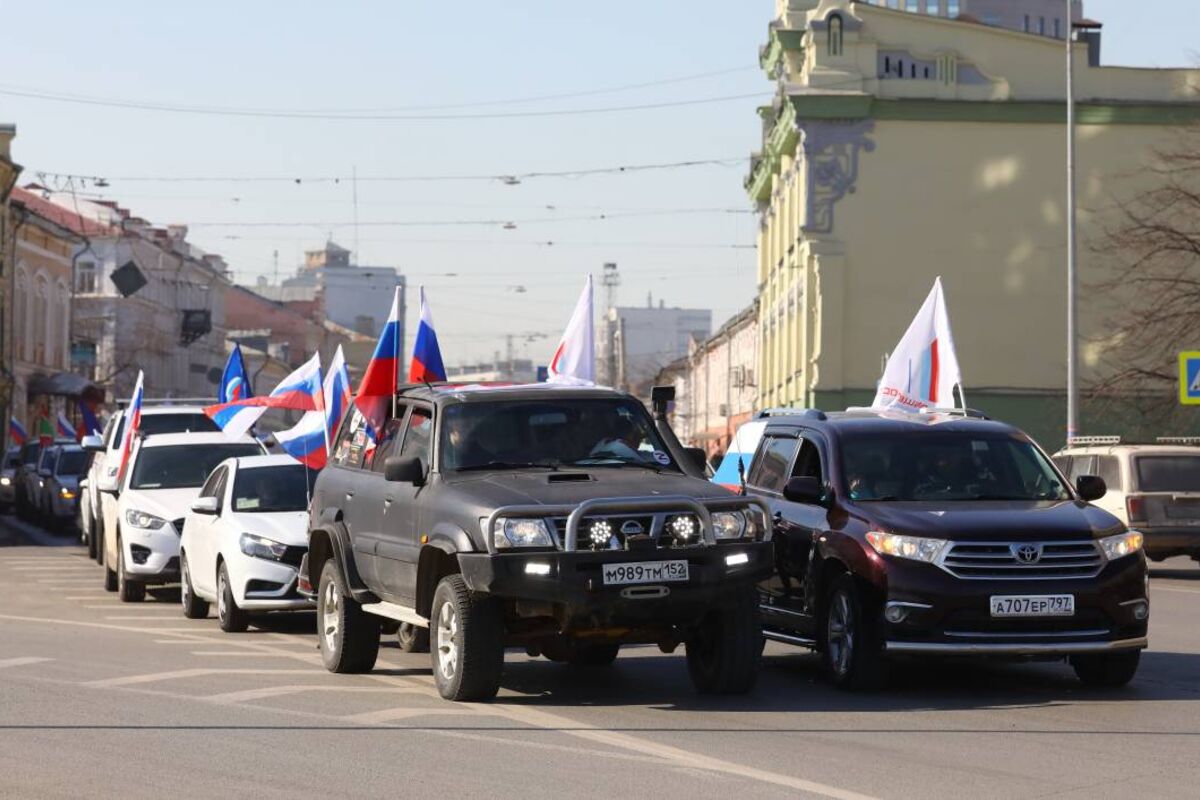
[941, 534]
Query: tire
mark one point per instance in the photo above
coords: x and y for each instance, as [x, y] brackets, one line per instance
[110, 576]
[1107, 670]
[230, 616]
[194, 607]
[128, 591]
[413, 639]
[723, 651]
[467, 642]
[347, 636]
[853, 638]
[92, 537]
[98, 535]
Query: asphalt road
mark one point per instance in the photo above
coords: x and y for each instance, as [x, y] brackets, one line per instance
[100, 699]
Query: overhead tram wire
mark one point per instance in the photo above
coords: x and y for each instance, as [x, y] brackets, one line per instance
[465, 222]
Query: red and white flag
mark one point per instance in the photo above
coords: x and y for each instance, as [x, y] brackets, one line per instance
[923, 369]
[574, 359]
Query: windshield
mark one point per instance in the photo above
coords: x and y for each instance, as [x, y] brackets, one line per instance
[946, 467]
[71, 463]
[183, 466]
[1168, 473]
[151, 424]
[29, 453]
[268, 489]
[552, 433]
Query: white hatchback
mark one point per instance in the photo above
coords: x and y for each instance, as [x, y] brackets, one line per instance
[244, 538]
[163, 477]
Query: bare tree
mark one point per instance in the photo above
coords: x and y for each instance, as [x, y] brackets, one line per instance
[1152, 279]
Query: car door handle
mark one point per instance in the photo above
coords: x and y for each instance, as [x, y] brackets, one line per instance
[349, 495]
[387, 501]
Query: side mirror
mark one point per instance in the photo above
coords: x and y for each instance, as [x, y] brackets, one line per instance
[93, 444]
[803, 490]
[697, 457]
[404, 469]
[1090, 487]
[205, 505]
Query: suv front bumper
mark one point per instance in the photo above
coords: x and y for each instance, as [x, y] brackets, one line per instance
[947, 615]
[573, 582]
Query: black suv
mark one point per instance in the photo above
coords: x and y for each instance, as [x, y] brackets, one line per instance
[565, 521]
[941, 534]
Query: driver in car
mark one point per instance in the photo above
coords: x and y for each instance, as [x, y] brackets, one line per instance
[622, 443]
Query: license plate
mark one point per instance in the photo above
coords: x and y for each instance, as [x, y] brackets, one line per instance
[644, 572]
[1038, 605]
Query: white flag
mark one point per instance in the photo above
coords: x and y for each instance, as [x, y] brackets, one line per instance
[923, 369]
[574, 359]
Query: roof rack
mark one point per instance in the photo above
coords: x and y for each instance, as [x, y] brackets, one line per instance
[1192, 440]
[1083, 441]
[973, 413]
[808, 413]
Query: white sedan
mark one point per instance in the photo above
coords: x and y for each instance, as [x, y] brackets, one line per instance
[244, 538]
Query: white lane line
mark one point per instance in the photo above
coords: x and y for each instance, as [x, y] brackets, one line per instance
[195, 672]
[278, 691]
[234, 653]
[407, 712]
[139, 617]
[90, 568]
[20, 662]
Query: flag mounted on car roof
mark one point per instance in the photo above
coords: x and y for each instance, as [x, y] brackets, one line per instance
[133, 421]
[923, 370]
[378, 386]
[235, 382]
[574, 360]
[426, 365]
[299, 391]
[337, 393]
[89, 425]
[16, 432]
[308, 440]
[64, 428]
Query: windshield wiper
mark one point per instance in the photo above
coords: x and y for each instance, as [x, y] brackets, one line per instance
[510, 465]
[607, 461]
[1013, 497]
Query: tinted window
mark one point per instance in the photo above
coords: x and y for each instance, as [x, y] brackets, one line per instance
[1109, 468]
[775, 456]
[265, 490]
[352, 441]
[167, 423]
[47, 459]
[808, 462]
[73, 462]
[12, 458]
[183, 466]
[1168, 473]
[29, 453]
[553, 431]
[212, 486]
[393, 432]
[419, 435]
[947, 467]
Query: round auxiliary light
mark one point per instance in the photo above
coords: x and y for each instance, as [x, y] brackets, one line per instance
[683, 528]
[600, 532]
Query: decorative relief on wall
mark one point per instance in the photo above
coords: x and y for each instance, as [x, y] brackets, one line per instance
[831, 151]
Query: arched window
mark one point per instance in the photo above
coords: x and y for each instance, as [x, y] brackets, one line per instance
[62, 321]
[835, 35]
[21, 301]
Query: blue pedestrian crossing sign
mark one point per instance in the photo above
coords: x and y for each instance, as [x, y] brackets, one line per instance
[1189, 378]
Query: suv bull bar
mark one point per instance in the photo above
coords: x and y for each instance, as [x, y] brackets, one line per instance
[576, 513]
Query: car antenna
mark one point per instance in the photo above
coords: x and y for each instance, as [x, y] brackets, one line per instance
[742, 475]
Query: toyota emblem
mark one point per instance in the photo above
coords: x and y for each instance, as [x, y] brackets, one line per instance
[1027, 553]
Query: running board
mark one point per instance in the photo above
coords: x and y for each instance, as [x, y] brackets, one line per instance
[399, 613]
[789, 639]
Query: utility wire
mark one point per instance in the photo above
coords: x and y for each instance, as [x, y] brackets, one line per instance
[467, 222]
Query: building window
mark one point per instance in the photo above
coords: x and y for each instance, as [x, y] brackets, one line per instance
[835, 35]
[21, 300]
[60, 356]
[911, 6]
[1027, 26]
[933, 7]
[42, 333]
[1057, 28]
[85, 277]
[1042, 26]
[952, 8]
[887, 65]
[893, 3]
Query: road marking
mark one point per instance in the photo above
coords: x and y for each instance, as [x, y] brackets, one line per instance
[407, 712]
[195, 672]
[49, 568]
[138, 617]
[234, 653]
[85, 596]
[278, 691]
[1179, 589]
[20, 662]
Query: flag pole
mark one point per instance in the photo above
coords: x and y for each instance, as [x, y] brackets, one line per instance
[396, 360]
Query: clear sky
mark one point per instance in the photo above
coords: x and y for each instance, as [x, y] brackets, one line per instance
[683, 235]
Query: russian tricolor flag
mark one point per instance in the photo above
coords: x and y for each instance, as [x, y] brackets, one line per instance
[379, 381]
[89, 424]
[426, 365]
[133, 420]
[64, 428]
[308, 441]
[301, 391]
[17, 433]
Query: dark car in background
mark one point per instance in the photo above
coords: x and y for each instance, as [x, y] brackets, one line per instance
[58, 506]
[941, 534]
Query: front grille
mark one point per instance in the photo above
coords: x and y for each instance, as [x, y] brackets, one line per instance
[1003, 560]
[179, 525]
[650, 528]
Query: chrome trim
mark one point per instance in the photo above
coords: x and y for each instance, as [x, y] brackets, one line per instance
[1016, 648]
[789, 639]
[904, 604]
[1026, 634]
[1021, 571]
[778, 610]
[1135, 602]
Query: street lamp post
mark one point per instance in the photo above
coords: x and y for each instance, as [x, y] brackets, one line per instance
[1072, 266]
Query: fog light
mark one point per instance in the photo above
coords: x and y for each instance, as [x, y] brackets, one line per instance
[537, 568]
[683, 528]
[600, 532]
[734, 559]
[895, 614]
[139, 553]
[1141, 611]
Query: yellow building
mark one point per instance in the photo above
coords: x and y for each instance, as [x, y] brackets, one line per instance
[9, 173]
[902, 146]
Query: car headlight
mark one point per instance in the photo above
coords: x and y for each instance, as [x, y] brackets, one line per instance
[729, 524]
[6, 481]
[259, 547]
[65, 493]
[1121, 545]
[914, 548]
[140, 519]
[520, 533]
